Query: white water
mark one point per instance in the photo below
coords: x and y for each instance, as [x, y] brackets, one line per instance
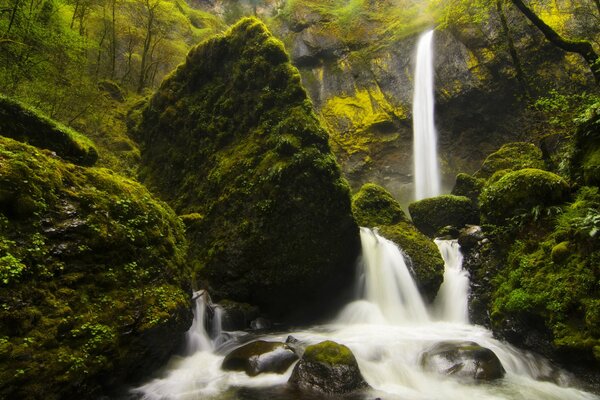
[426, 169]
[388, 336]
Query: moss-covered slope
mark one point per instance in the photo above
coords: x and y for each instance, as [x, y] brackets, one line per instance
[27, 125]
[374, 206]
[231, 138]
[91, 276]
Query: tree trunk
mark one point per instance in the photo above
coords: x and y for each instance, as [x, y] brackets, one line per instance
[113, 42]
[13, 14]
[145, 51]
[511, 46]
[582, 47]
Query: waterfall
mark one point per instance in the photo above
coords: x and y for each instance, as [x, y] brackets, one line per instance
[452, 301]
[426, 170]
[197, 338]
[389, 292]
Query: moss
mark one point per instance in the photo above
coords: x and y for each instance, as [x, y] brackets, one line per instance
[521, 191]
[373, 206]
[231, 135]
[560, 252]
[430, 215]
[511, 156]
[468, 186]
[586, 148]
[330, 353]
[28, 125]
[91, 277]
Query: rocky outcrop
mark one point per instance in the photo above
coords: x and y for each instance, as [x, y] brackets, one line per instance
[92, 278]
[374, 207]
[231, 138]
[466, 360]
[329, 368]
[260, 357]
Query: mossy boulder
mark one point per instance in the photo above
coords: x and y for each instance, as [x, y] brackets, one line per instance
[519, 192]
[328, 367]
[468, 186]
[586, 144]
[25, 124]
[92, 271]
[512, 156]
[431, 215]
[231, 136]
[374, 207]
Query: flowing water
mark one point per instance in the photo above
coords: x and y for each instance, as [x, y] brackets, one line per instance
[426, 169]
[388, 329]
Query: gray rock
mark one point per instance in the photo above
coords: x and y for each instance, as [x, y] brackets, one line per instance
[470, 236]
[260, 357]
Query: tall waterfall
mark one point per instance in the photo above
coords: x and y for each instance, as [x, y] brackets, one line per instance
[426, 169]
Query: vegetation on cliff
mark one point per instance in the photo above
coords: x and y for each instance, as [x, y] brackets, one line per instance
[92, 273]
[231, 137]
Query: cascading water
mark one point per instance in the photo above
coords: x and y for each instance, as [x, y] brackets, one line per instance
[426, 169]
[388, 330]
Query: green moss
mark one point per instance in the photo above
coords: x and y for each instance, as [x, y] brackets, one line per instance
[511, 156]
[521, 191]
[430, 215]
[585, 161]
[468, 186]
[28, 125]
[231, 135]
[91, 277]
[373, 206]
[560, 252]
[330, 353]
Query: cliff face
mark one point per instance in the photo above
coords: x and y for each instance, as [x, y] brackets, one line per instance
[231, 141]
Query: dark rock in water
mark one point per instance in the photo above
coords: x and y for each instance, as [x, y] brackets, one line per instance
[470, 236]
[463, 360]
[260, 357]
[431, 215]
[260, 323]
[231, 139]
[296, 345]
[328, 367]
[237, 316]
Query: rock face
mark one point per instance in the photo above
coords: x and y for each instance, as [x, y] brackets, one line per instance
[374, 207]
[329, 368]
[27, 125]
[260, 357]
[465, 360]
[92, 278]
[431, 215]
[231, 137]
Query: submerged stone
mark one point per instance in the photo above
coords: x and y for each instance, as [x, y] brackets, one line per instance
[231, 136]
[328, 367]
[260, 357]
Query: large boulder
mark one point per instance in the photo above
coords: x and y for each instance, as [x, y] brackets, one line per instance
[468, 186]
[520, 192]
[374, 207]
[466, 360]
[329, 368]
[231, 137]
[511, 157]
[260, 357]
[25, 124]
[92, 278]
[433, 214]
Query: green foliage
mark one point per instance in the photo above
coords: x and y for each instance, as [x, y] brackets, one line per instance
[246, 152]
[521, 192]
[431, 215]
[91, 277]
[373, 206]
[511, 157]
[330, 353]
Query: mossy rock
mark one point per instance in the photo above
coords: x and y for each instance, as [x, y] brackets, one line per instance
[519, 192]
[260, 357]
[25, 124]
[328, 367]
[512, 156]
[231, 135]
[468, 186]
[373, 206]
[586, 143]
[431, 215]
[92, 271]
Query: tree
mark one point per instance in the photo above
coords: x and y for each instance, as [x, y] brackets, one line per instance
[581, 47]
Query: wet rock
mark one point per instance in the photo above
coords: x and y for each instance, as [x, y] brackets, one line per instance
[260, 357]
[328, 367]
[237, 316]
[470, 236]
[463, 360]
